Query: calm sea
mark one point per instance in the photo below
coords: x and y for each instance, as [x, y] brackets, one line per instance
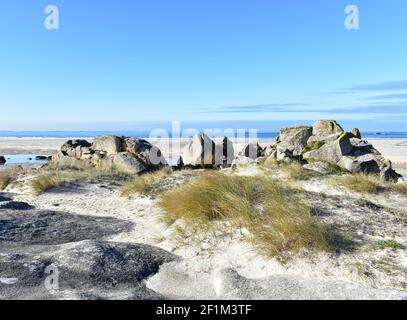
[146, 134]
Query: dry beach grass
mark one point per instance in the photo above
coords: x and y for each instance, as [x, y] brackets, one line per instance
[277, 220]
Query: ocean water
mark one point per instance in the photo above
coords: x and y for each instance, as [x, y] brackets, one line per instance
[146, 134]
[23, 159]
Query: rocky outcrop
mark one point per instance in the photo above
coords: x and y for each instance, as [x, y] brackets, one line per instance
[2, 160]
[128, 154]
[202, 152]
[294, 139]
[331, 151]
[326, 141]
[324, 128]
[109, 144]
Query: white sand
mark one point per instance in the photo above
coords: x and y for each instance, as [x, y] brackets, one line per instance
[225, 266]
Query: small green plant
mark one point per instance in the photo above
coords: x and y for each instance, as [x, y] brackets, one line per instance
[313, 146]
[388, 244]
[143, 184]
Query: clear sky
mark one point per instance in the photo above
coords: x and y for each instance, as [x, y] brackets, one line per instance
[118, 64]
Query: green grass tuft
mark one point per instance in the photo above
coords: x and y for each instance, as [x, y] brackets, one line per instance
[143, 184]
[57, 178]
[388, 244]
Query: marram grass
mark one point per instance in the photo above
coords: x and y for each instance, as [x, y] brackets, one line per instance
[277, 220]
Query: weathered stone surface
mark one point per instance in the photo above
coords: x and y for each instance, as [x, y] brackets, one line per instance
[62, 160]
[128, 162]
[201, 152]
[294, 139]
[387, 174]
[16, 205]
[368, 165]
[225, 150]
[110, 144]
[107, 151]
[252, 151]
[333, 151]
[88, 267]
[320, 167]
[323, 139]
[323, 128]
[356, 133]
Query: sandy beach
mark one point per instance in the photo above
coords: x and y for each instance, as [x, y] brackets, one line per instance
[393, 149]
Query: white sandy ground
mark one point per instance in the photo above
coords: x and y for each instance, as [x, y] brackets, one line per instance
[393, 149]
[223, 265]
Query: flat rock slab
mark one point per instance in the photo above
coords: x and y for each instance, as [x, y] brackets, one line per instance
[16, 205]
[87, 270]
[53, 227]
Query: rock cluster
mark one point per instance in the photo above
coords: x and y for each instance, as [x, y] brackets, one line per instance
[203, 152]
[128, 154]
[326, 141]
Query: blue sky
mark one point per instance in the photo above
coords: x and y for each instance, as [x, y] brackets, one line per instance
[124, 64]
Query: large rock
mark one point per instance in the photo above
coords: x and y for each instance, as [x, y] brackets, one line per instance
[128, 162]
[150, 155]
[109, 144]
[323, 139]
[128, 154]
[294, 139]
[323, 128]
[252, 151]
[201, 152]
[333, 151]
[73, 144]
[2, 160]
[365, 164]
[62, 160]
[225, 150]
[387, 174]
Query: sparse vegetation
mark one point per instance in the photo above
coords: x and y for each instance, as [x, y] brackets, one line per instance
[388, 244]
[5, 179]
[277, 220]
[398, 188]
[57, 178]
[313, 146]
[9, 176]
[143, 184]
[360, 183]
[296, 171]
